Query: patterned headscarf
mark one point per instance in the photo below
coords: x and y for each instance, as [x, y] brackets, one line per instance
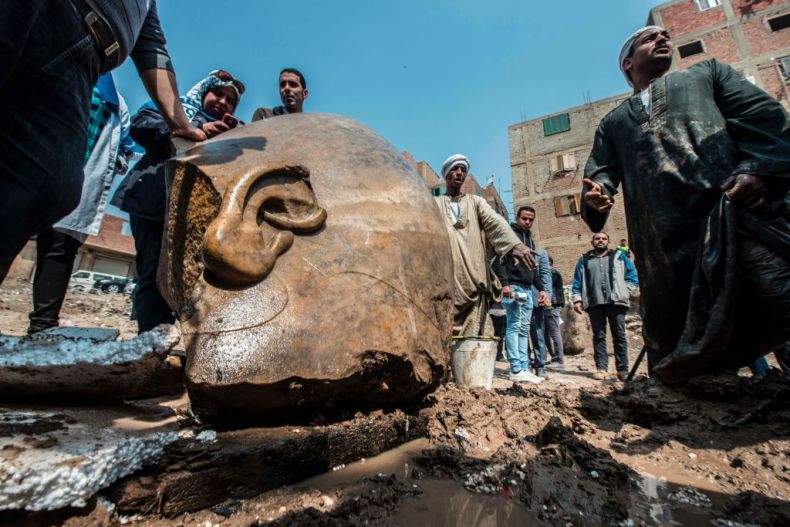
[193, 100]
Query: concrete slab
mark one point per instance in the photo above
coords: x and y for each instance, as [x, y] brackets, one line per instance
[61, 457]
[95, 334]
[69, 367]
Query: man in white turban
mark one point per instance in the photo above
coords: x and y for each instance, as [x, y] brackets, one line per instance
[470, 222]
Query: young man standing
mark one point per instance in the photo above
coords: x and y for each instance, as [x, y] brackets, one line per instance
[541, 290]
[517, 298]
[703, 156]
[293, 92]
[602, 285]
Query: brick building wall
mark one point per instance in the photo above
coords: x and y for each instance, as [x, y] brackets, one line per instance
[735, 31]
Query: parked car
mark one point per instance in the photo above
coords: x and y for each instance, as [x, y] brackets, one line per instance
[85, 280]
[115, 284]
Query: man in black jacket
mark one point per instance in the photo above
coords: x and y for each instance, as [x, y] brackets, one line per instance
[517, 292]
[552, 317]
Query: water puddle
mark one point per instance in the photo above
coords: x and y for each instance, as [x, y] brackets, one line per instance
[443, 502]
[656, 498]
[662, 502]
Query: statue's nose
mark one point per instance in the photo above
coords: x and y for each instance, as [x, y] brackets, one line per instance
[237, 249]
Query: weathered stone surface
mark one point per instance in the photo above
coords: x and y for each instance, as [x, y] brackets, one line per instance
[194, 475]
[576, 331]
[310, 269]
[50, 366]
[58, 458]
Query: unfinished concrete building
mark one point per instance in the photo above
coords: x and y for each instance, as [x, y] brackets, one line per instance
[548, 154]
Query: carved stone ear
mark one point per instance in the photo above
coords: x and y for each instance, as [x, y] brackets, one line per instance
[236, 248]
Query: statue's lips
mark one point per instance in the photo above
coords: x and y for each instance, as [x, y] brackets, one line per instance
[218, 310]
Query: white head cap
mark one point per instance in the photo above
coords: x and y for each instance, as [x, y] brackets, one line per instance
[453, 160]
[628, 45]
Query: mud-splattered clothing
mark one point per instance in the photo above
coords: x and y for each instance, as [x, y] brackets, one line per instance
[706, 123]
[470, 267]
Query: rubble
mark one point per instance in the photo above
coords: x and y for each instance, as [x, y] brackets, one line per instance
[85, 365]
[52, 460]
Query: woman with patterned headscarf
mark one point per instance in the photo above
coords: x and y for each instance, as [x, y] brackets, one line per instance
[143, 192]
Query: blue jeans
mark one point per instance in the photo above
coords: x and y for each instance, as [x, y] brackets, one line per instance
[760, 368]
[519, 314]
[48, 66]
[538, 334]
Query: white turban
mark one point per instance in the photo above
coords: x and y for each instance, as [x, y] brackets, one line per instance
[450, 162]
[625, 51]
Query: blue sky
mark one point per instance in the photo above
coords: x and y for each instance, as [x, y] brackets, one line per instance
[434, 77]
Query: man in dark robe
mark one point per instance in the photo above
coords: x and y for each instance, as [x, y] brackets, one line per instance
[703, 157]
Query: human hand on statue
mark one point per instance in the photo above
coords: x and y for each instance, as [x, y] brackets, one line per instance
[577, 306]
[544, 299]
[524, 254]
[747, 190]
[507, 292]
[595, 197]
[215, 128]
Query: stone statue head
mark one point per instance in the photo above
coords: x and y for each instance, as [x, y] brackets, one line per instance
[310, 270]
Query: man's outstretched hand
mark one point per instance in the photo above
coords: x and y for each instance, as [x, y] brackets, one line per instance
[747, 190]
[595, 197]
[525, 255]
[189, 132]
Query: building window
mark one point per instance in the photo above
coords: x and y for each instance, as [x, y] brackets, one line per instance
[784, 65]
[567, 205]
[704, 5]
[562, 163]
[692, 48]
[557, 124]
[778, 23]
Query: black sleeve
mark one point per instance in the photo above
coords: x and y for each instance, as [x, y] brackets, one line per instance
[150, 50]
[500, 270]
[603, 168]
[150, 131]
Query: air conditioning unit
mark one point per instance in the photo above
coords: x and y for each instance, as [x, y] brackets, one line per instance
[562, 163]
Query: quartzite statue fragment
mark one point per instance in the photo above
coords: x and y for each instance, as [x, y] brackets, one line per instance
[310, 270]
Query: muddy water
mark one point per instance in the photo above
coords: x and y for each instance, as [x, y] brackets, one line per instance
[443, 502]
[654, 499]
[660, 502]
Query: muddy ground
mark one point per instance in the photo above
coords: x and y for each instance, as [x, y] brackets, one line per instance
[571, 451]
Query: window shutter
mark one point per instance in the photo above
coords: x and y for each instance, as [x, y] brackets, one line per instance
[559, 207]
[576, 201]
[554, 164]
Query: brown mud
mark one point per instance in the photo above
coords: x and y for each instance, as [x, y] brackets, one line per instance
[570, 451]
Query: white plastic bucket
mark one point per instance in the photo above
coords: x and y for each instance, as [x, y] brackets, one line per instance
[473, 361]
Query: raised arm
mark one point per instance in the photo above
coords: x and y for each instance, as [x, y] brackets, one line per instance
[602, 176]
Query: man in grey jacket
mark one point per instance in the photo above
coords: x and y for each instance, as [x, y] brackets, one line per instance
[602, 285]
[51, 55]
